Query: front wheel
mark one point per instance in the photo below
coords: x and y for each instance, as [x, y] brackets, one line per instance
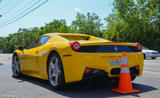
[15, 66]
[55, 71]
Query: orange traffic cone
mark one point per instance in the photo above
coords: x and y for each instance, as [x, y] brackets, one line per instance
[125, 85]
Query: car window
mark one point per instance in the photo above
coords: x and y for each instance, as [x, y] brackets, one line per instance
[42, 40]
[144, 48]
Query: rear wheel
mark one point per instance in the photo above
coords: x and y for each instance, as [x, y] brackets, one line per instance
[15, 66]
[144, 56]
[55, 71]
[133, 77]
[153, 57]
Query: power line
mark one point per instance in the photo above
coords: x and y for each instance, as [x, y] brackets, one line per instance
[26, 8]
[12, 18]
[8, 5]
[24, 14]
[9, 1]
[10, 8]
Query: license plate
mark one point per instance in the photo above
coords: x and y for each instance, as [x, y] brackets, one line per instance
[115, 62]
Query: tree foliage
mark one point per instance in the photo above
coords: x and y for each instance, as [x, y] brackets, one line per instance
[88, 24]
[131, 21]
[135, 21]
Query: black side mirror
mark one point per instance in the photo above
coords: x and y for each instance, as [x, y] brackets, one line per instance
[20, 48]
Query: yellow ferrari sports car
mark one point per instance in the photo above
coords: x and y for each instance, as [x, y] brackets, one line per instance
[64, 58]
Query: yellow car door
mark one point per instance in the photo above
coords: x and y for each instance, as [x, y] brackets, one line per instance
[28, 59]
[23, 61]
[31, 56]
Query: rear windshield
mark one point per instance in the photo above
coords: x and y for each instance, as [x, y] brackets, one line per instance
[75, 37]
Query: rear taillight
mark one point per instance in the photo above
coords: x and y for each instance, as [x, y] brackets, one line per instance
[87, 70]
[137, 67]
[75, 45]
[139, 46]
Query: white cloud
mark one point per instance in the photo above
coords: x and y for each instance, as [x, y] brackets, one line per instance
[77, 9]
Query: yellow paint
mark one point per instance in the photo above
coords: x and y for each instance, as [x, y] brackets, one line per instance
[33, 61]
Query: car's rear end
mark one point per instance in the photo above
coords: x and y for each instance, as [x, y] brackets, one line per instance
[86, 58]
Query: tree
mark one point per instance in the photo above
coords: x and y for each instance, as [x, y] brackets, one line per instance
[24, 37]
[87, 24]
[135, 21]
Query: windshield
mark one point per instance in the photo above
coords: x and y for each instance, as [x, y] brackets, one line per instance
[144, 48]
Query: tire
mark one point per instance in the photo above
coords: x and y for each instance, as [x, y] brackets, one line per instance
[144, 56]
[153, 57]
[133, 76]
[55, 71]
[15, 66]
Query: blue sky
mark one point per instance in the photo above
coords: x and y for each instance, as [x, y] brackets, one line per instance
[53, 9]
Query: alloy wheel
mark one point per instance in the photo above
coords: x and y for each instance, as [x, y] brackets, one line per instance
[54, 71]
[15, 66]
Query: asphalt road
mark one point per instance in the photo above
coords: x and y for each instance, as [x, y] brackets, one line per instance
[28, 87]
